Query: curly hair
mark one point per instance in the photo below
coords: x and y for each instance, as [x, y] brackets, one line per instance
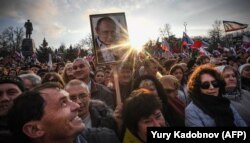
[194, 81]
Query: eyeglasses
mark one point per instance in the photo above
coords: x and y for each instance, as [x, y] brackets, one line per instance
[80, 96]
[206, 84]
[79, 66]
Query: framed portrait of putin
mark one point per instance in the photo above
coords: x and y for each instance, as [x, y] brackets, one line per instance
[110, 37]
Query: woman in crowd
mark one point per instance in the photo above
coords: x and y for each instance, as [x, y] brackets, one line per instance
[176, 108]
[208, 108]
[67, 74]
[239, 98]
[141, 110]
[53, 77]
[99, 77]
[244, 71]
[178, 72]
[151, 83]
[150, 67]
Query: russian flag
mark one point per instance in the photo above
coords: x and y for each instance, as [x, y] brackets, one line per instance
[165, 45]
[186, 40]
[197, 44]
[205, 44]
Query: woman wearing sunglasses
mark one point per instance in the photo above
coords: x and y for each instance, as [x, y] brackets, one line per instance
[208, 108]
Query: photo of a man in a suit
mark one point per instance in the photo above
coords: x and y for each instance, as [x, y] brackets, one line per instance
[105, 40]
[110, 37]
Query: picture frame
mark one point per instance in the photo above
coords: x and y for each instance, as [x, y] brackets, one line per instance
[110, 37]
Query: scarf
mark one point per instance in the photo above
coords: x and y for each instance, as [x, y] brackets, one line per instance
[216, 107]
[233, 95]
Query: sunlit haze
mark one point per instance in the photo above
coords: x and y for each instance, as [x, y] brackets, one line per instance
[67, 21]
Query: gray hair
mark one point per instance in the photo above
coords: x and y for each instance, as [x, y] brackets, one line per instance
[77, 82]
[83, 60]
[35, 79]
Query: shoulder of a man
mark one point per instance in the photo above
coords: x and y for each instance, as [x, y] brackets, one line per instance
[101, 107]
[99, 135]
[103, 88]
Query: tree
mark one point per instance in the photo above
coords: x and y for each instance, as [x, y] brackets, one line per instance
[216, 33]
[165, 31]
[86, 43]
[43, 52]
[71, 53]
[11, 41]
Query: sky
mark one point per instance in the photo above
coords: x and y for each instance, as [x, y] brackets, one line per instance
[67, 21]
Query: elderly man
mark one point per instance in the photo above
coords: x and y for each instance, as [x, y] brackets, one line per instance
[81, 71]
[47, 115]
[10, 88]
[94, 113]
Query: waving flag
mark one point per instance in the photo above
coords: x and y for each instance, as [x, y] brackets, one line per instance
[205, 44]
[186, 40]
[233, 26]
[203, 51]
[50, 64]
[165, 45]
[246, 39]
[197, 44]
[78, 52]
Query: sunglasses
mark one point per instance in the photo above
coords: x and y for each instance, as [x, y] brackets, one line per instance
[80, 66]
[206, 85]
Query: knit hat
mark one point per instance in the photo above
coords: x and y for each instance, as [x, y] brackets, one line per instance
[11, 79]
[242, 67]
[170, 82]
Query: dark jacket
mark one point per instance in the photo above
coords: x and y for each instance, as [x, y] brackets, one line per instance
[97, 135]
[98, 53]
[102, 93]
[101, 115]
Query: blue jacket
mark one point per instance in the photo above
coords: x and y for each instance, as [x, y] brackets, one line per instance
[195, 117]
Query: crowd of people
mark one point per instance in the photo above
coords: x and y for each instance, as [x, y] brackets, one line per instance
[77, 101]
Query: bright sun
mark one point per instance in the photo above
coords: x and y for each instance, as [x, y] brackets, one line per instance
[140, 31]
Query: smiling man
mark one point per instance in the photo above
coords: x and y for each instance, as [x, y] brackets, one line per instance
[10, 88]
[81, 71]
[47, 115]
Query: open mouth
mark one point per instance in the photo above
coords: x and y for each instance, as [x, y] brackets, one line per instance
[77, 119]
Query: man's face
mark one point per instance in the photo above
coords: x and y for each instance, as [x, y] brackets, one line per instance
[106, 32]
[125, 76]
[60, 117]
[8, 92]
[80, 95]
[80, 70]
